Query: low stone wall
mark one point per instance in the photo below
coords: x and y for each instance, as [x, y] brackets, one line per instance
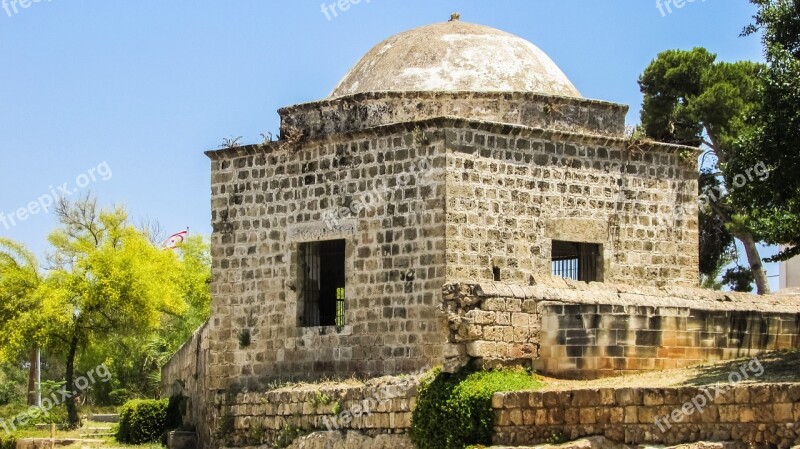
[186, 374]
[760, 415]
[578, 330]
[502, 327]
[379, 407]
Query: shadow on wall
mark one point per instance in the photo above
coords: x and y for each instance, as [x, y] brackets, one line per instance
[778, 367]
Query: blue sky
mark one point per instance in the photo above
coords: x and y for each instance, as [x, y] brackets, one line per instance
[135, 91]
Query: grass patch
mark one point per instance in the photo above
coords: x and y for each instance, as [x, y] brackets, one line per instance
[455, 410]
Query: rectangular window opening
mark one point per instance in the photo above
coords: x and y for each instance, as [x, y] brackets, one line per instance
[496, 274]
[322, 265]
[576, 260]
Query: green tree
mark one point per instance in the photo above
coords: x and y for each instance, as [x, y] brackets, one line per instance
[195, 279]
[691, 99]
[774, 203]
[136, 360]
[106, 281]
[19, 281]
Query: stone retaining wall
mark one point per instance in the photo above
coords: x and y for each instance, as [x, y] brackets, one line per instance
[186, 374]
[753, 414]
[380, 407]
[577, 330]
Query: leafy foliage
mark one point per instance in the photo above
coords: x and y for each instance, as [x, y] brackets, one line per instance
[142, 421]
[740, 279]
[774, 203]
[454, 410]
[716, 242]
[11, 378]
[692, 99]
[110, 297]
[19, 282]
[8, 441]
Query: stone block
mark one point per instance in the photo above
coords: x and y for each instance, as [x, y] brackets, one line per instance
[746, 415]
[572, 416]
[629, 396]
[741, 395]
[588, 415]
[519, 319]
[631, 415]
[651, 397]
[494, 305]
[482, 349]
[480, 317]
[782, 413]
[182, 440]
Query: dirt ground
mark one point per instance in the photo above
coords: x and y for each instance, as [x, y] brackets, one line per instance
[777, 367]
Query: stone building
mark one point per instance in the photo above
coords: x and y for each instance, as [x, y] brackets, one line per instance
[453, 152]
[428, 213]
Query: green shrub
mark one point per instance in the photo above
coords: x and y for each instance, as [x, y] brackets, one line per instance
[56, 415]
[119, 396]
[17, 413]
[8, 441]
[8, 393]
[455, 410]
[142, 421]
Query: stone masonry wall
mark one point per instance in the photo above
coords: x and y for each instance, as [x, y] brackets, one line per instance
[362, 111]
[760, 415]
[380, 406]
[511, 191]
[378, 414]
[380, 190]
[578, 330]
[186, 374]
[503, 327]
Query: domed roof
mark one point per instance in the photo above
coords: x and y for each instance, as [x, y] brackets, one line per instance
[455, 56]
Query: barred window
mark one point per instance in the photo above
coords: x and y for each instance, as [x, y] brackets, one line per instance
[576, 260]
[323, 295]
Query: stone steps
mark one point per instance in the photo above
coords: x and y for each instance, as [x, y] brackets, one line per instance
[96, 432]
[106, 418]
[47, 443]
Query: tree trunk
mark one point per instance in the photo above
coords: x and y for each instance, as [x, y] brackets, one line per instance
[750, 248]
[72, 409]
[754, 259]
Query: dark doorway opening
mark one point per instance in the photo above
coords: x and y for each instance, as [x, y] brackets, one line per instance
[324, 283]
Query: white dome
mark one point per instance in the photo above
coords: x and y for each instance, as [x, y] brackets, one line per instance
[455, 56]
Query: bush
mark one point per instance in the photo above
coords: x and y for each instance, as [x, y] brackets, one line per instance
[8, 441]
[118, 396]
[8, 393]
[142, 421]
[455, 410]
